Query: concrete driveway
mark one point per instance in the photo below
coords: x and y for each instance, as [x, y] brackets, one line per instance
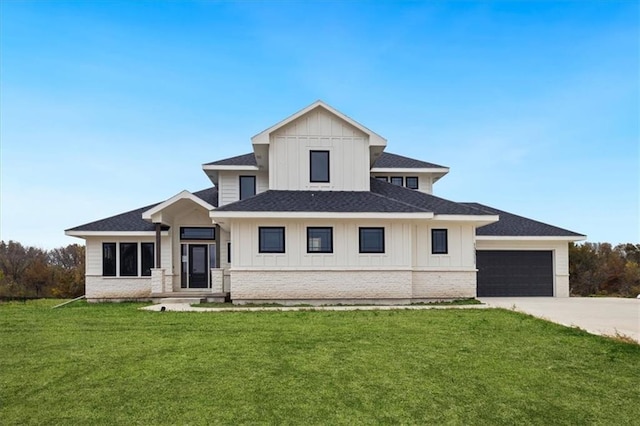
[597, 315]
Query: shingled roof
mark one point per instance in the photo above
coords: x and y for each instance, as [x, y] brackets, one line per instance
[321, 201]
[386, 160]
[238, 160]
[132, 221]
[513, 225]
[383, 198]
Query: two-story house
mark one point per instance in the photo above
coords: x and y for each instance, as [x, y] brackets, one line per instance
[319, 212]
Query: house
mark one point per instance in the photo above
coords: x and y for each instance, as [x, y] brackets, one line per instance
[320, 212]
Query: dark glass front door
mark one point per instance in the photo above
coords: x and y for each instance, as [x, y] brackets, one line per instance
[198, 266]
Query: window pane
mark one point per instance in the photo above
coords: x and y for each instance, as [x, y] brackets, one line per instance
[128, 259]
[439, 241]
[412, 182]
[397, 180]
[319, 166]
[212, 256]
[185, 265]
[320, 240]
[247, 186]
[109, 259]
[197, 233]
[229, 252]
[271, 240]
[382, 178]
[148, 261]
[371, 240]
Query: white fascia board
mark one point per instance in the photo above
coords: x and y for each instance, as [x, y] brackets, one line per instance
[485, 219]
[223, 167]
[318, 215]
[83, 234]
[183, 195]
[444, 170]
[529, 238]
[262, 138]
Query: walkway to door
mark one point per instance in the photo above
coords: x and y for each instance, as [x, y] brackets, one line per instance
[598, 315]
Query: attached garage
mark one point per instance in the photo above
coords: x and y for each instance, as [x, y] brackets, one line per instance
[515, 273]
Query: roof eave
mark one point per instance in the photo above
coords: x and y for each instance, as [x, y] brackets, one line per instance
[531, 237]
[217, 215]
[85, 234]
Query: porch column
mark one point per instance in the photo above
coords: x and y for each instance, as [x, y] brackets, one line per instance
[158, 246]
[218, 241]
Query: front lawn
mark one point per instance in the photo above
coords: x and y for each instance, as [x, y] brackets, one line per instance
[115, 364]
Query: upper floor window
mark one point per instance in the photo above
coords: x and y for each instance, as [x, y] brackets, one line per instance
[271, 239]
[319, 166]
[371, 240]
[247, 186]
[397, 180]
[382, 178]
[412, 182]
[320, 240]
[439, 241]
[193, 233]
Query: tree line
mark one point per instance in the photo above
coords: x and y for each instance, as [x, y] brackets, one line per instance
[594, 268]
[31, 272]
[603, 270]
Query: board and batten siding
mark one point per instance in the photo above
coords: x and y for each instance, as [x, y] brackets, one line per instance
[348, 148]
[345, 254]
[461, 252]
[229, 185]
[560, 251]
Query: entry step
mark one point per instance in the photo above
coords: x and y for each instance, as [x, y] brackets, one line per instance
[189, 300]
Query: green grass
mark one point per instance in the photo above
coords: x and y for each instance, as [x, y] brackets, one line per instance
[278, 305]
[115, 364]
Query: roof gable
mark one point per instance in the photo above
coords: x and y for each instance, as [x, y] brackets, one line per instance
[132, 221]
[323, 108]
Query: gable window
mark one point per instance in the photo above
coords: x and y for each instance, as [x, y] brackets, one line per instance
[109, 259]
[148, 262]
[397, 180]
[412, 182]
[319, 166]
[128, 259]
[271, 239]
[193, 233]
[247, 186]
[371, 240]
[320, 240]
[382, 178]
[439, 243]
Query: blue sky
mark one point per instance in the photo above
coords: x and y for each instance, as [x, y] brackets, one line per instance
[109, 106]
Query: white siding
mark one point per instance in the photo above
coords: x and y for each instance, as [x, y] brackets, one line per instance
[229, 185]
[319, 130]
[560, 258]
[461, 252]
[345, 246]
[425, 180]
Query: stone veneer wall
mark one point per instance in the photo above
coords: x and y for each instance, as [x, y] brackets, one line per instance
[117, 288]
[322, 284]
[444, 284]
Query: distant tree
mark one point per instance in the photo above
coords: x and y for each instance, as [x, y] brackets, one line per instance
[600, 269]
[34, 272]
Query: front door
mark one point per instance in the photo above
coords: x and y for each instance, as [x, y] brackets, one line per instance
[198, 271]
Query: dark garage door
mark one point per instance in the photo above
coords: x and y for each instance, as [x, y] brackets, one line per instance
[514, 273]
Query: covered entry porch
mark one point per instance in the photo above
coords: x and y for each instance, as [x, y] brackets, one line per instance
[187, 261]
